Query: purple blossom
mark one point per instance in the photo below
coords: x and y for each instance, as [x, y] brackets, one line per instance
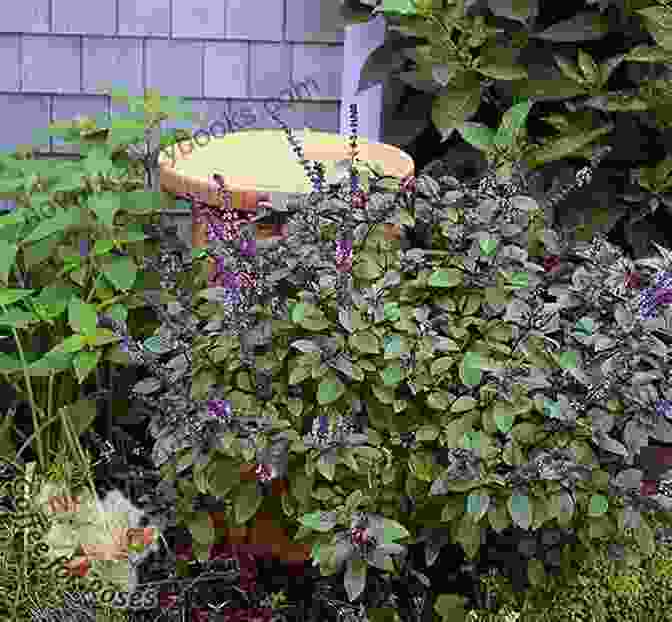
[664, 409]
[248, 247]
[83, 248]
[660, 294]
[220, 409]
[343, 255]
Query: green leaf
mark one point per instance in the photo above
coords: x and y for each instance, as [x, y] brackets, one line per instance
[355, 577]
[121, 271]
[10, 296]
[512, 124]
[445, 278]
[559, 148]
[470, 371]
[599, 504]
[82, 317]
[7, 258]
[536, 572]
[468, 535]
[463, 404]
[568, 360]
[398, 7]
[298, 312]
[520, 510]
[392, 375]
[101, 337]
[319, 521]
[102, 247]
[201, 528]
[476, 505]
[456, 102]
[504, 422]
[247, 502]
[393, 531]
[364, 341]
[329, 390]
[51, 362]
[326, 466]
[75, 343]
[85, 363]
[479, 135]
[488, 246]
[392, 311]
[503, 71]
[80, 415]
[63, 220]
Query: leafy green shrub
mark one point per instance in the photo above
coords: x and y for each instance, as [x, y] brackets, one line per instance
[405, 344]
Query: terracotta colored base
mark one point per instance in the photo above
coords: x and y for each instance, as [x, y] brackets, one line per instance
[264, 535]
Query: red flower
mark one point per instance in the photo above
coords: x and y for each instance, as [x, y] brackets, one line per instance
[199, 615]
[183, 552]
[633, 280]
[408, 184]
[648, 488]
[359, 199]
[551, 262]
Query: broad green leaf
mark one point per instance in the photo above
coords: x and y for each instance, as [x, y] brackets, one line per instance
[469, 370]
[326, 466]
[121, 271]
[442, 365]
[101, 337]
[392, 531]
[456, 103]
[364, 341]
[298, 312]
[504, 422]
[463, 404]
[80, 415]
[536, 572]
[355, 577]
[445, 278]
[319, 521]
[329, 390]
[512, 124]
[564, 146]
[63, 220]
[102, 247]
[201, 528]
[468, 535]
[499, 517]
[10, 296]
[568, 359]
[479, 135]
[503, 71]
[599, 504]
[75, 343]
[84, 363]
[476, 505]
[588, 67]
[248, 501]
[82, 317]
[392, 375]
[51, 362]
[392, 311]
[520, 510]
[488, 246]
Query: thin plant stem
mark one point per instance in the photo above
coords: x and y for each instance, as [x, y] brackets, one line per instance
[31, 397]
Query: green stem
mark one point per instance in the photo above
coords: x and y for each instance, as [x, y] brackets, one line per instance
[31, 397]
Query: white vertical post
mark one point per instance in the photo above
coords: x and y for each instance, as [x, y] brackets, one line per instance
[360, 40]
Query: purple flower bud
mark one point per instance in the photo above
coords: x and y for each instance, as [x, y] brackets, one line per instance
[83, 248]
[220, 409]
[248, 247]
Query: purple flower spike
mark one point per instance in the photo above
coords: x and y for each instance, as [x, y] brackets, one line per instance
[83, 248]
[343, 255]
[664, 409]
[248, 247]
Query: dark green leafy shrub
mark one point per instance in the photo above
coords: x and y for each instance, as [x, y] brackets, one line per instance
[415, 341]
